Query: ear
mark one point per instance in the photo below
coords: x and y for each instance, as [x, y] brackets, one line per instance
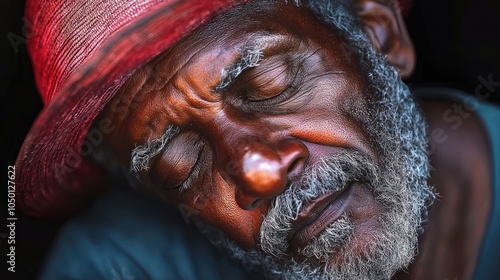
[384, 26]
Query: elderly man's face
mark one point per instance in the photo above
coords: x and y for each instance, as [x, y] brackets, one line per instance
[256, 122]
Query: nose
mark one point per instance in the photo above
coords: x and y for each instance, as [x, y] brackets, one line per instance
[265, 170]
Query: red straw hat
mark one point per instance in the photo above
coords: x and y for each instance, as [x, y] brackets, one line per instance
[82, 53]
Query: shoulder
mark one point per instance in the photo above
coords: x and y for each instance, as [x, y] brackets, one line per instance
[459, 153]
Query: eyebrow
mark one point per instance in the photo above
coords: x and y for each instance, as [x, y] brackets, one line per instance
[143, 153]
[250, 57]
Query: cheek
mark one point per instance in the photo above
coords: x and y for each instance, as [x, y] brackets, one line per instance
[214, 204]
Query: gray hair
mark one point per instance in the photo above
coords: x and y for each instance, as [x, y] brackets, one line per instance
[250, 57]
[141, 154]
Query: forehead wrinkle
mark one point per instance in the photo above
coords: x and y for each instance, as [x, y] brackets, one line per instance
[161, 72]
[182, 91]
[184, 48]
[191, 100]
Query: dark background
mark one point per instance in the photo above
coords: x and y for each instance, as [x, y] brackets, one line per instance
[456, 41]
[20, 105]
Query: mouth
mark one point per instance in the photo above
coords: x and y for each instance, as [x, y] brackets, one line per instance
[314, 218]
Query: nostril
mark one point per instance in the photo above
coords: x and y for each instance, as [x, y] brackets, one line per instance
[256, 203]
[294, 155]
[247, 202]
[292, 166]
[295, 169]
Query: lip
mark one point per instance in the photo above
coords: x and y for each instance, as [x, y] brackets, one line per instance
[316, 217]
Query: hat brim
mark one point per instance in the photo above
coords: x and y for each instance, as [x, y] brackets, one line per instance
[55, 172]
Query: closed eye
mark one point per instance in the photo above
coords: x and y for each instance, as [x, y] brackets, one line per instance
[267, 83]
[278, 94]
[193, 175]
[273, 81]
[179, 162]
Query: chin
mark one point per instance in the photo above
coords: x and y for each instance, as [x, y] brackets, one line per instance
[346, 250]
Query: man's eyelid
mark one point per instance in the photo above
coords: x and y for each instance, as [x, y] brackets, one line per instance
[291, 72]
[155, 161]
[159, 156]
[264, 68]
[193, 174]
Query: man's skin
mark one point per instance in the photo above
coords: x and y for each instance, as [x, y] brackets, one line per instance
[248, 146]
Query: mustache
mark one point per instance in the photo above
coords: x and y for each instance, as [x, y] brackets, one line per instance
[326, 176]
[321, 178]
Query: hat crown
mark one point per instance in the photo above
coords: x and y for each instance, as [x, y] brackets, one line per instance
[63, 35]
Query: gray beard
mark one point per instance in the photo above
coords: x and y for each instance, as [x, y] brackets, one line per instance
[390, 246]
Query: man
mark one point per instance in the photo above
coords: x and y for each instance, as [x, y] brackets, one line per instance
[283, 127]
